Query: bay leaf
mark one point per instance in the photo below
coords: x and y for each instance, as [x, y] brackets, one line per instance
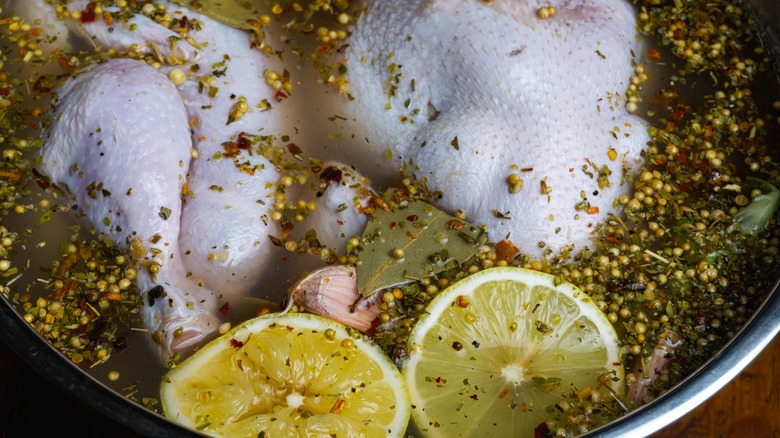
[233, 13]
[412, 242]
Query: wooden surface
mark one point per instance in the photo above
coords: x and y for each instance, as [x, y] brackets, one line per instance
[30, 406]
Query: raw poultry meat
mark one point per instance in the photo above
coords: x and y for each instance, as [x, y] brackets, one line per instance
[466, 105]
[125, 186]
[215, 244]
[466, 94]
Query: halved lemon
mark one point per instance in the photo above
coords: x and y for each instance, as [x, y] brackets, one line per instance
[498, 349]
[286, 376]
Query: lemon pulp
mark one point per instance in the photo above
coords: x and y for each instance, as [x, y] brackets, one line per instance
[291, 375]
[500, 348]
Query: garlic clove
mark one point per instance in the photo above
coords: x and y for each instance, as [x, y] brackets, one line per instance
[332, 292]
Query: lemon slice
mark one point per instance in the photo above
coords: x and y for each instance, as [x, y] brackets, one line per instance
[291, 375]
[498, 349]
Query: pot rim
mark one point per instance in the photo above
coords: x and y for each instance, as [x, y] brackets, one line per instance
[717, 372]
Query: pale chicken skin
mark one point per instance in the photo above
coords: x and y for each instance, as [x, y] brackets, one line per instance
[131, 189]
[467, 94]
[464, 104]
[216, 235]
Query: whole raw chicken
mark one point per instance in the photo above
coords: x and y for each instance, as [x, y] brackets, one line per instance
[466, 94]
[511, 109]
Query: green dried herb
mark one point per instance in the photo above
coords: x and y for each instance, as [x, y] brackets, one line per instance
[754, 218]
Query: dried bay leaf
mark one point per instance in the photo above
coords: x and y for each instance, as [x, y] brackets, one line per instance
[234, 13]
[412, 242]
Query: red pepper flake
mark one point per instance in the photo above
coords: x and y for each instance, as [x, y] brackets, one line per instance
[474, 397]
[505, 250]
[240, 364]
[592, 210]
[287, 228]
[325, 49]
[243, 142]
[280, 96]
[677, 114]
[393, 225]
[455, 225]
[436, 424]
[462, 302]
[231, 149]
[88, 14]
[331, 174]
[64, 63]
[224, 309]
[654, 54]
[412, 217]
[235, 343]
[542, 431]
[4, 92]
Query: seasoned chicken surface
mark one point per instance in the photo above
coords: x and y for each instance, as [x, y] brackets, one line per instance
[517, 119]
[120, 142]
[185, 142]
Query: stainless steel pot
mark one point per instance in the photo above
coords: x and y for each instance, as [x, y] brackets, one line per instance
[757, 333]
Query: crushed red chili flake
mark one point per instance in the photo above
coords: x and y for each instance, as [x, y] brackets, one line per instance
[243, 142]
[505, 250]
[677, 114]
[654, 54]
[279, 96]
[455, 224]
[331, 174]
[224, 309]
[474, 397]
[88, 14]
[235, 343]
[412, 218]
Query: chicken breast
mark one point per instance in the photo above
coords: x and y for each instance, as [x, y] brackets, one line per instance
[517, 119]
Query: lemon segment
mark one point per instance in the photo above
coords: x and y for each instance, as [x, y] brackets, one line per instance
[291, 375]
[500, 348]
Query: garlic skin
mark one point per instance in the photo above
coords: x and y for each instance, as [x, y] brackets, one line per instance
[331, 292]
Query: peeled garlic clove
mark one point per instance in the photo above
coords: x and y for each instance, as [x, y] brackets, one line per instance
[331, 292]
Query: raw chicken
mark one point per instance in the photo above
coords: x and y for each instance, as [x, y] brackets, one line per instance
[218, 238]
[120, 142]
[468, 93]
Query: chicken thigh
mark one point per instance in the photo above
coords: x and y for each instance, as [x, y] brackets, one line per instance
[515, 118]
